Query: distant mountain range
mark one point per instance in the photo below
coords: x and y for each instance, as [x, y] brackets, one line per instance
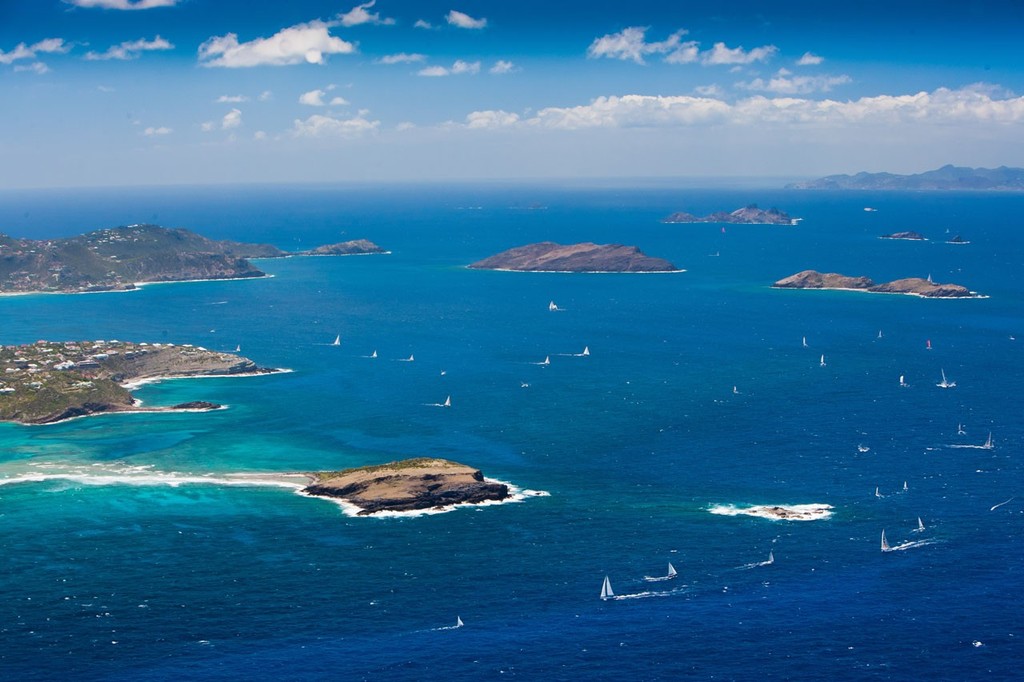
[945, 178]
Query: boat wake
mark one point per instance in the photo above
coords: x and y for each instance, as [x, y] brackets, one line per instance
[776, 512]
[647, 594]
[758, 564]
[909, 544]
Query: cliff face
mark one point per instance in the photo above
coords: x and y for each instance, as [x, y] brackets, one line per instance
[408, 485]
[584, 257]
[811, 279]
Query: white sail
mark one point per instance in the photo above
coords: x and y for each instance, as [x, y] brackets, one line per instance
[885, 543]
[879, 333]
[905, 488]
[960, 430]
[411, 358]
[877, 494]
[945, 383]
[586, 351]
[822, 361]
[671, 570]
[771, 557]
[920, 525]
[805, 342]
[373, 354]
[552, 307]
[337, 340]
[735, 390]
[903, 383]
[458, 622]
[238, 348]
[606, 589]
[547, 360]
[988, 443]
[447, 402]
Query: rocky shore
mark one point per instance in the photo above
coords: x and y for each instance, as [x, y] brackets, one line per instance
[48, 382]
[583, 257]
[915, 286]
[407, 485]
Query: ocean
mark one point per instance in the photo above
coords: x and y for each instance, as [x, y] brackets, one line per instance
[127, 551]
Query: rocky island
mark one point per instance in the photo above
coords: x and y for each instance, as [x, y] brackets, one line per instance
[946, 178]
[909, 236]
[407, 485]
[119, 258]
[355, 247]
[914, 286]
[47, 381]
[584, 257]
[749, 215]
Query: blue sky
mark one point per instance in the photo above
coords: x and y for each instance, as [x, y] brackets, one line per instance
[117, 92]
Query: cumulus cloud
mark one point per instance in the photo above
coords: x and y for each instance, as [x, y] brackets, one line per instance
[502, 67]
[25, 51]
[313, 98]
[154, 132]
[975, 104]
[458, 68]
[783, 83]
[809, 59]
[422, 23]
[359, 15]
[34, 67]
[207, 126]
[721, 54]
[401, 58]
[327, 126]
[231, 99]
[339, 102]
[130, 49]
[232, 119]
[308, 43]
[463, 20]
[631, 44]
[123, 4]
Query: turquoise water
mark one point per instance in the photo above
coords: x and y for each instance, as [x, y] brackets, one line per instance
[108, 571]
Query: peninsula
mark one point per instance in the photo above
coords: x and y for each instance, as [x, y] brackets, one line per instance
[749, 215]
[946, 178]
[584, 257]
[908, 236]
[119, 258]
[407, 485]
[48, 381]
[914, 286]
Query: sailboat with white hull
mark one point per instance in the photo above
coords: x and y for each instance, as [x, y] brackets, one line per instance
[606, 589]
[668, 576]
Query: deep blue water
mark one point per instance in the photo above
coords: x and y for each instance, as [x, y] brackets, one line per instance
[106, 575]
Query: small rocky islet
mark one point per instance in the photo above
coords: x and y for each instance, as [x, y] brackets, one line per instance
[748, 215]
[51, 381]
[408, 485]
[915, 286]
[582, 257]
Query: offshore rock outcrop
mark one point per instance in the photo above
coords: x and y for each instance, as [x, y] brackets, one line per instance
[583, 257]
[915, 286]
[748, 215]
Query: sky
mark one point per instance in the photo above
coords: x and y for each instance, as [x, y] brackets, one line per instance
[154, 92]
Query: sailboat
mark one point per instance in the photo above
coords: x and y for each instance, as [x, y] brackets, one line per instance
[885, 543]
[735, 390]
[945, 383]
[447, 402]
[863, 448]
[373, 354]
[586, 351]
[771, 559]
[821, 363]
[988, 443]
[458, 622]
[905, 488]
[337, 340]
[552, 307]
[606, 589]
[238, 348]
[920, 525]
[879, 333]
[928, 344]
[547, 361]
[903, 383]
[411, 358]
[668, 576]
[877, 494]
[960, 430]
[805, 342]
[930, 280]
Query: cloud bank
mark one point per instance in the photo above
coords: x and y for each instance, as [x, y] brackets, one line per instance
[302, 43]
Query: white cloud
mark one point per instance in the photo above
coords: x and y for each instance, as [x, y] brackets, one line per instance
[259, 135]
[401, 58]
[313, 98]
[339, 102]
[123, 4]
[359, 15]
[421, 23]
[293, 45]
[265, 96]
[463, 20]
[207, 126]
[631, 44]
[782, 84]
[162, 130]
[34, 67]
[720, 54]
[502, 67]
[232, 119]
[326, 126]
[130, 49]
[809, 59]
[709, 91]
[24, 51]
[104, 88]
[405, 125]
[976, 104]
[231, 99]
[457, 68]
[486, 120]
